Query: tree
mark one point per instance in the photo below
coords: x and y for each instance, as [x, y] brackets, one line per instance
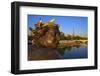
[62, 36]
[68, 37]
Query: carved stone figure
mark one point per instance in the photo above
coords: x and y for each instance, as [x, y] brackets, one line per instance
[46, 34]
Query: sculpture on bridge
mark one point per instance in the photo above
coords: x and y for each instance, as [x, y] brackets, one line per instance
[45, 34]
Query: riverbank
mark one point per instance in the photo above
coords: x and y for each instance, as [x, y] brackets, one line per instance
[71, 43]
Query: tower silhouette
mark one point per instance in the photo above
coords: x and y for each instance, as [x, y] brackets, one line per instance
[73, 32]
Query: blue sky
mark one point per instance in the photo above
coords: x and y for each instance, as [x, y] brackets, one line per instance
[66, 23]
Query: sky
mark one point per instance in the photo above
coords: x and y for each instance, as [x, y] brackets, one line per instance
[66, 23]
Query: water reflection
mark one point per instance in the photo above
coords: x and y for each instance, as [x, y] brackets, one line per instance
[68, 52]
[79, 51]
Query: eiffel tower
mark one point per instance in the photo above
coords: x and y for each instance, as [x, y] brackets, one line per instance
[73, 32]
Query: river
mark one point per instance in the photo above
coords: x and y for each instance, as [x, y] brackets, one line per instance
[76, 52]
[42, 53]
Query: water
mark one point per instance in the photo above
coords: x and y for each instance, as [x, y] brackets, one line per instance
[76, 52]
[42, 53]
